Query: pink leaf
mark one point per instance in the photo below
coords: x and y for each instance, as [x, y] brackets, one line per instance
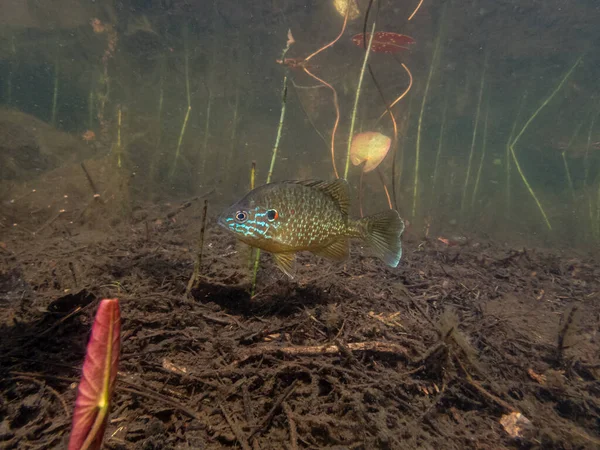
[98, 378]
[385, 41]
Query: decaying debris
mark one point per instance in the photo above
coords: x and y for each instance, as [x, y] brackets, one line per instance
[516, 425]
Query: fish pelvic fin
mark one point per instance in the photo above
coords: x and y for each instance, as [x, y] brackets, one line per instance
[338, 250]
[382, 232]
[285, 261]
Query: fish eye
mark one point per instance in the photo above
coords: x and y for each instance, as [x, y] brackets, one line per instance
[241, 216]
[272, 214]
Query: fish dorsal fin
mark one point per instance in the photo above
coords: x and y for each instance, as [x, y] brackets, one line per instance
[285, 261]
[337, 189]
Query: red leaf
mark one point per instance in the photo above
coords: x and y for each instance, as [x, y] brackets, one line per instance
[98, 378]
[385, 42]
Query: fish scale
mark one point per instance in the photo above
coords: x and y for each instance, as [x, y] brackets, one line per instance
[287, 217]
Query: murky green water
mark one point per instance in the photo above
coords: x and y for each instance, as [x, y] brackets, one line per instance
[499, 133]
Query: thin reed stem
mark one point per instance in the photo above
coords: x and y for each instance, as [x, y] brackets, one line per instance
[438, 154]
[356, 99]
[531, 119]
[474, 138]
[189, 102]
[507, 155]
[420, 125]
[483, 150]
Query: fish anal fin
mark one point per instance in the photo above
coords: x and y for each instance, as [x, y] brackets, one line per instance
[285, 261]
[338, 250]
[337, 189]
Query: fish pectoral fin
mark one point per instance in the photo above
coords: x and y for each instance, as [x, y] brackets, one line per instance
[285, 261]
[338, 250]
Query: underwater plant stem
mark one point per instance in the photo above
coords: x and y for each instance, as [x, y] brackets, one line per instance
[337, 117]
[55, 91]
[9, 83]
[206, 131]
[545, 102]
[91, 104]
[531, 119]
[474, 138]
[420, 125]
[275, 149]
[326, 46]
[234, 120]
[360, 193]
[568, 172]
[394, 143]
[566, 163]
[356, 99]
[483, 150]
[385, 189]
[586, 165]
[189, 103]
[507, 155]
[410, 83]
[119, 123]
[415, 11]
[529, 188]
[438, 154]
[193, 282]
[279, 128]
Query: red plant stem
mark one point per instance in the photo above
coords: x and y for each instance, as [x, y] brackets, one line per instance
[312, 55]
[410, 83]
[337, 116]
[387, 193]
[416, 9]
[335, 96]
[360, 193]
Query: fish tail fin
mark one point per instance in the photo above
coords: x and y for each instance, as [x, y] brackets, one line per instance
[382, 232]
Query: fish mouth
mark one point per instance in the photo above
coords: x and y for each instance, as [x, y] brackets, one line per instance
[221, 221]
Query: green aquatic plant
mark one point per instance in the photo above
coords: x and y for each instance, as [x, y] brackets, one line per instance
[481, 161]
[357, 97]
[524, 128]
[438, 153]
[290, 41]
[508, 154]
[474, 137]
[55, 89]
[434, 60]
[189, 102]
[563, 155]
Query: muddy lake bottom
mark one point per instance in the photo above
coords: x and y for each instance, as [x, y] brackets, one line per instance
[440, 353]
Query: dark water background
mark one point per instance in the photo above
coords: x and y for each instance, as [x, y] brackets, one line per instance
[49, 50]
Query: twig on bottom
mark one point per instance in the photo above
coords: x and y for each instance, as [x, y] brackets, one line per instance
[328, 349]
[264, 424]
[236, 430]
[292, 423]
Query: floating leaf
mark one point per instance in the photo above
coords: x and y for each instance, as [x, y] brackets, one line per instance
[98, 378]
[369, 147]
[385, 42]
[342, 5]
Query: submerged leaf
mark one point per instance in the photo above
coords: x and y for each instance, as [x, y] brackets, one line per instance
[370, 147]
[342, 5]
[98, 378]
[385, 42]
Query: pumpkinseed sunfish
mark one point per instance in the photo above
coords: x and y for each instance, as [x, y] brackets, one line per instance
[291, 216]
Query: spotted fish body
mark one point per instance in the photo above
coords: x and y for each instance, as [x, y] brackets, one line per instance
[287, 217]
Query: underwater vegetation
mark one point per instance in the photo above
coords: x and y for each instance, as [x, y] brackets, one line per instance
[466, 136]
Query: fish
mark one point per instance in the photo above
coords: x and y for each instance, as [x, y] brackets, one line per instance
[287, 217]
